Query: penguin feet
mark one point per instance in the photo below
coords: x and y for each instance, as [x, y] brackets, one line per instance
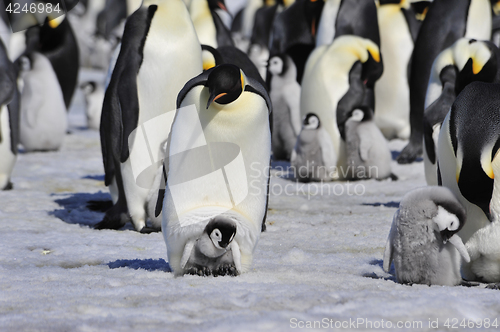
[466, 283]
[202, 271]
[115, 218]
[495, 286]
[148, 230]
[205, 271]
[409, 154]
[100, 206]
[226, 269]
[9, 186]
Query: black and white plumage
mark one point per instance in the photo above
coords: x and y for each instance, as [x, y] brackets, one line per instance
[466, 61]
[446, 21]
[469, 166]
[423, 241]
[208, 23]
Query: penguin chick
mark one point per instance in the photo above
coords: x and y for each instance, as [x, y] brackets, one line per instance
[313, 158]
[368, 154]
[94, 97]
[423, 242]
[285, 96]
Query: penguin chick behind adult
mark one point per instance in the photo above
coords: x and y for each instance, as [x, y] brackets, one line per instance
[368, 155]
[423, 242]
[313, 158]
[285, 96]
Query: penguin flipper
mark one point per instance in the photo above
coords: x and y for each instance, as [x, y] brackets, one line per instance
[195, 81]
[223, 35]
[13, 108]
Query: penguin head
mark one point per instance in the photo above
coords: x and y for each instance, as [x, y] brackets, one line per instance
[311, 121]
[312, 12]
[217, 4]
[447, 222]
[225, 84]
[277, 65]
[361, 114]
[221, 231]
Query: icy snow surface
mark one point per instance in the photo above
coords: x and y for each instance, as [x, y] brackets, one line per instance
[319, 260]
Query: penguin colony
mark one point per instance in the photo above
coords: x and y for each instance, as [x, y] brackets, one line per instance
[196, 98]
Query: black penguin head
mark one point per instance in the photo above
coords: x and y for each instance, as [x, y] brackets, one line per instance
[225, 84]
[217, 4]
[311, 121]
[312, 12]
[277, 65]
[221, 231]
[450, 218]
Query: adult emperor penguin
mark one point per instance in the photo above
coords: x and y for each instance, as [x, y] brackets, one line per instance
[446, 21]
[398, 29]
[208, 24]
[9, 119]
[159, 53]
[43, 120]
[368, 155]
[285, 96]
[336, 80]
[423, 241]
[57, 42]
[217, 174]
[465, 61]
[242, 25]
[313, 156]
[468, 165]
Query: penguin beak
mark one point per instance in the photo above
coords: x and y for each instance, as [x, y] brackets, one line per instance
[214, 97]
[222, 6]
[457, 243]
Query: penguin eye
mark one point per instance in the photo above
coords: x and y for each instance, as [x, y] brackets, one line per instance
[218, 235]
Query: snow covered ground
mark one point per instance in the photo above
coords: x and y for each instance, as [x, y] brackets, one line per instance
[319, 260]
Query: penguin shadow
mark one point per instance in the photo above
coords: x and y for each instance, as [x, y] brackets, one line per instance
[391, 204]
[94, 177]
[282, 169]
[74, 208]
[149, 265]
[380, 263]
[395, 154]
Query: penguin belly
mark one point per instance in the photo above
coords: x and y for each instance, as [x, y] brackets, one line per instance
[163, 73]
[189, 206]
[43, 113]
[8, 159]
[392, 92]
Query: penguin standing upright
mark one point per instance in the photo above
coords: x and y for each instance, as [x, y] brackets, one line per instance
[398, 29]
[467, 60]
[469, 165]
[159, 53]
[368, 155]
[285, 96]
[446, 21]
[242, 25]
[208, 24]
[219, 173]
[9, 119]
[57, 42]
[312, 157]
[336, 81]
[423, 241]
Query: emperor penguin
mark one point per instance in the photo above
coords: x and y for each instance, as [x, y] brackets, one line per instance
[159, 53]
[398, 27]
[423, 241]
[43, 119]
[446, 21]
[468, 165]
[218, 174]
[336, 81]
[94, 96]
[313, 156]
[343, 17]
[57, 42]
[9, 119]
[294, 32]
[242, 25]
[208, 24]
[285, 96]
[368, 155]
[467, 60]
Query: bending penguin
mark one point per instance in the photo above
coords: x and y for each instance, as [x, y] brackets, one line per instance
[9, 119]
[446, 21]
[337, 80]
[159, 53]
[423, 241]
[469, 165]
[465, 61]
[312, 158]
[212, 216]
